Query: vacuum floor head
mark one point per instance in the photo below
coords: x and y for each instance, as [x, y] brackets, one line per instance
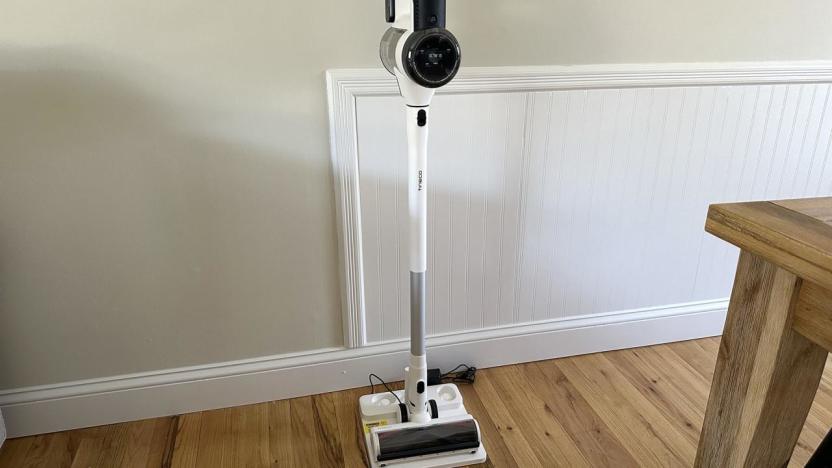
[451, 439]
[431, 439]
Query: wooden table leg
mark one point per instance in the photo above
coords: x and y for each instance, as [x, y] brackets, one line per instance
[766, 374]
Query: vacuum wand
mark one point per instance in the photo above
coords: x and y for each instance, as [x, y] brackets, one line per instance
[423, 56]
[422, 426]
[416, 374]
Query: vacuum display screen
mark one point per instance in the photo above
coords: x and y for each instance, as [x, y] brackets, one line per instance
[426, 440]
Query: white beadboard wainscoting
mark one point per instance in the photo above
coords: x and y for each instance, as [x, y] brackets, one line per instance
[570, 199]
[566, 216]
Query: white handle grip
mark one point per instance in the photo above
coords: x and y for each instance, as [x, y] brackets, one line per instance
[417, 185]
[417, 149]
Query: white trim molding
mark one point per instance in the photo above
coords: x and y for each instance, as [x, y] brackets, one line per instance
[344, 86]
[2, 429]
[355, 82]
[341, 100]
[50, 408]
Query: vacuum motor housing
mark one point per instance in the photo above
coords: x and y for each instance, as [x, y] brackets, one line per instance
[428, 54]
[430, 57]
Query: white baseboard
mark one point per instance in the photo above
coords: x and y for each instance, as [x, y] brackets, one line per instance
[50, 408]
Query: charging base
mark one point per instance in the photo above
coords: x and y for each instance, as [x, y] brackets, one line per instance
[381, 410]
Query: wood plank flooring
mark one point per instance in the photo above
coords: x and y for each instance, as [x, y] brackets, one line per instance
[635, 407]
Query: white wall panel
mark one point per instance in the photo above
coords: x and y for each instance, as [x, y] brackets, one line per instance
[548, 205]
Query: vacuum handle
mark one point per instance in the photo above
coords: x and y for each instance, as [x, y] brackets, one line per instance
[428, 14]
[417, 149]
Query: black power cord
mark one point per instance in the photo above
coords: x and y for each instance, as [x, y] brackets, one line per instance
[373, 387]
[467, 375]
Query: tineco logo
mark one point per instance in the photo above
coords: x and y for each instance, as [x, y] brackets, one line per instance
[420, 181]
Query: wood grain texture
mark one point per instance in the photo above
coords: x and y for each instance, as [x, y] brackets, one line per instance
[701, 359]
[651, 438]
[565, 403]
[499, 453]
[213, 448]
[348, 419]
[790, 239]
[550, 442]
[766, 374]
[89, 444]
[249, 436]
[665, 396]
[813, 314]
[507, 426]
[281, 438]
[819, 208]
[52, 450]
[186, 440]
[599, 411]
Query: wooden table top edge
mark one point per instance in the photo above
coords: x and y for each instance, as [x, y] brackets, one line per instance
[788, 238]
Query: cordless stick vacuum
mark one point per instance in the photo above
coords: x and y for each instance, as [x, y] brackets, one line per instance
[422, 426]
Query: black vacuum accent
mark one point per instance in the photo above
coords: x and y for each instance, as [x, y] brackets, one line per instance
[428, 14]
[434, 409]
[390, 10]
[434, 377]
[403, 412]
[421, 118]
[427, 440]
[431, 57]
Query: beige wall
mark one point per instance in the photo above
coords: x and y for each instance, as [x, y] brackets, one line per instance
[165, 186]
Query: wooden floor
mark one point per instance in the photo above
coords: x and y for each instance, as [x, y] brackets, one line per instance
[637, 407]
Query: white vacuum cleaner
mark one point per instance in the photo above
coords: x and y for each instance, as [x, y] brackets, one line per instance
[422, 426]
